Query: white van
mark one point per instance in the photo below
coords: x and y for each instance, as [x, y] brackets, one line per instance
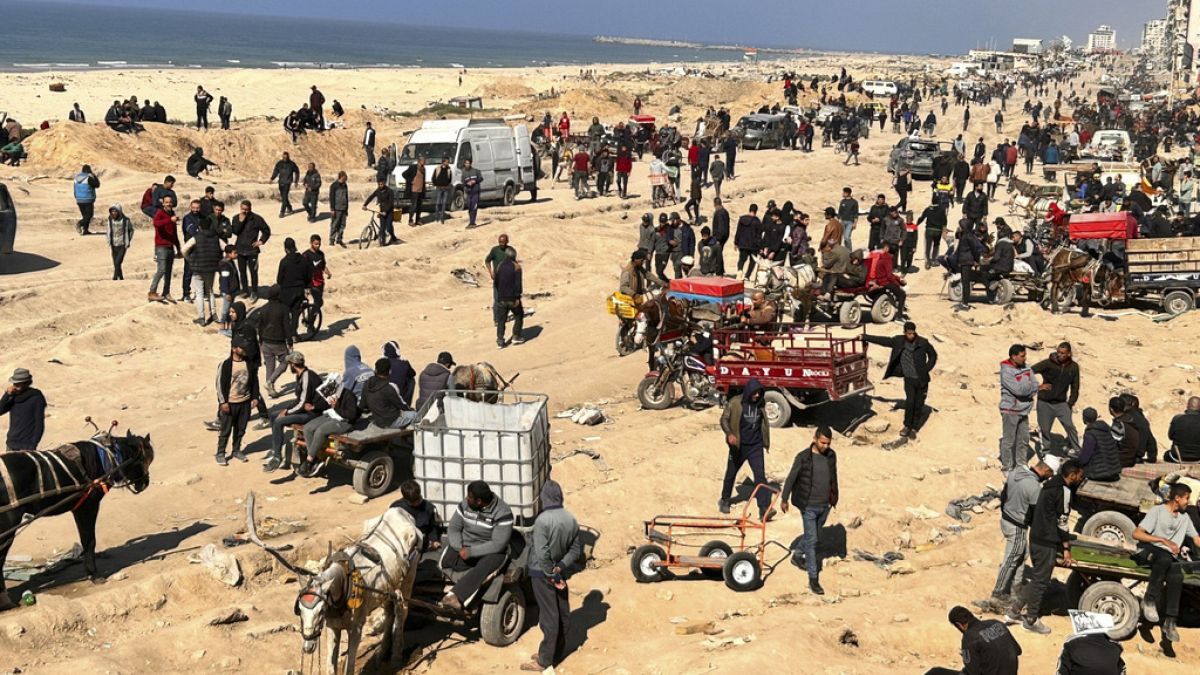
[501, 153]
[880, 88]
[960, 69]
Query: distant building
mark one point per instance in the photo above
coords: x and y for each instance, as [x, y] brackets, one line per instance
[1181, 38]
[1154, 36]
[751, 55]
[1027, 46]
[1103, 39]
[473, 102]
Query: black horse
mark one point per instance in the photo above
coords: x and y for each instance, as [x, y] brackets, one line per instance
[74, 478]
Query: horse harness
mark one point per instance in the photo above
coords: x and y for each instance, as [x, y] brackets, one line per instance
[73, 466]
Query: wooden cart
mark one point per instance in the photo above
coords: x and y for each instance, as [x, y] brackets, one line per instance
[1165, 269]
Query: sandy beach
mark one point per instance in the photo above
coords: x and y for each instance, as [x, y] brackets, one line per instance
[97, 348]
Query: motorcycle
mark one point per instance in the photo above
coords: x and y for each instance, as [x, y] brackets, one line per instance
[677, 366]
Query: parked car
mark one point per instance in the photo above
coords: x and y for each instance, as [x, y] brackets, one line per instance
[826, 113]
[880, 88]
[8, 220]
[916, 155]
[761, 131]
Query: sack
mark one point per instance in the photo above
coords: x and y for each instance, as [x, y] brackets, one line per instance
[347, 406]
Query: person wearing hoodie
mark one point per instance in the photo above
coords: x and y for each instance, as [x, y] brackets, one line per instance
[1047, 541]
[748, 436]
[295, 275]
[1148, 452]
[1017, 389]
[477, 541]
[119, 235]
[556, 549]
[402, 374]
[275, 330]
[85, 185]
[237, 396]
[26, 410]
[241, 326]
[343, 409]
[382, 400]
[434, 378]
[812, 487]
[205, 257]
[1125, 432]
[1020, 493]
[1101, 454]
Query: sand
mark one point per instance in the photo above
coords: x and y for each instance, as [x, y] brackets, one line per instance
[97, 348]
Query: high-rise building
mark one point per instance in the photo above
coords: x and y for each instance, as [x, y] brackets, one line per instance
[1182, 37]
[1103, 39]
[1154, 36]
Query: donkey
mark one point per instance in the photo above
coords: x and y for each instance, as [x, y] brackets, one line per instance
[73, 478]
[377, 570]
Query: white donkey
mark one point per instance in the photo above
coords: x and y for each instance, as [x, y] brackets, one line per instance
[377, 570]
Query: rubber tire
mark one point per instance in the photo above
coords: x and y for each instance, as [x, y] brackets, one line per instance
[1107, 525]
[737, 566]
[722, 550]
[502, 622]
[773, 399]
[510, 195]
[955, 291]
[1111, 597]
[622, 348]
[458, 201]
[376, 478]
[883, 310]
[1075, 588]
[1004, 292]
[1178, 302]
[850, 314]
[367, 237]
[647, 553]
[643, 394]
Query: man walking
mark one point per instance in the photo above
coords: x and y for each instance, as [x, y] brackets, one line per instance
[556, 548]
[748, 435]
[288, 175]
[1057, 394]
[1017, 499]
[26, 410]
[812, 487]
[85, 184]
[369, 145]
[1161, 536]
[507, 282]
[1046, 541]
[720, 233]
[472, 184]
[912, 357]
[166, 248]
[237, 395]
[746, 238]
[848, 213]
[1017, 389]
[119, 233]
[339, 205]
[312, 191]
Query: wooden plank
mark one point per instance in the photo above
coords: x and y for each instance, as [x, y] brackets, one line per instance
[1164, 244]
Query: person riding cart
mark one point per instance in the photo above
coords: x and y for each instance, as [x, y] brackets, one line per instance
[478, 534]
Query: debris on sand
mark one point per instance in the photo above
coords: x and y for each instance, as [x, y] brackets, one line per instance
[464, 276]
[848, 637]
[223, 566]
[227, 616]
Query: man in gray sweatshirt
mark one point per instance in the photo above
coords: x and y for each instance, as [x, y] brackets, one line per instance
[478, 536]
[1017, 499]
[1017, 389]
[556, 549]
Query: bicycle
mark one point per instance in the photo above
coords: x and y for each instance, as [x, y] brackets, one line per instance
[310, 317]
[370, 233]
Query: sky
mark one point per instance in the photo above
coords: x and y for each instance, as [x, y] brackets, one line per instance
[920, 26]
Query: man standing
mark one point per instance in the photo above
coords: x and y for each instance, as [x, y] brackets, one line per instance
[496, 256]
[275, 330]
[119, 233]
[1046, 541]
[203, 100]
[730, 148]
[1057, 394]
[252, 232]
[556, 548]
[237, 395]
[316, 103]
[339, 204]
[1017, 389]
[934, 219]
[166, 248]
[812, 487]
[847, 212]
[1161, 537]
[912, 357]
[1017, 499]
[203, 258]
[369, 145]
[1184, 434]
[288, 175]
[26, 410]
[312, 191]
[472, 185]
[304, 409]
[875, 217]
[975, 206]
[746, 238]
[86, 183]
[443, 184]
[506, 279]
[318, 270]
[720, 233]
[748, 435]
[478, 538]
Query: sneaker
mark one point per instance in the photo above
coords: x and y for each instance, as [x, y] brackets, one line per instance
[240, 456]
[1169, 631]
[1014, 613]
[723, 505]
[153, 297]
[271, 465]
[263, 424]
[501, 344]
[1150, 609]
[306, 469]
[764, 516]
[199, 322]
[815, 587]
[906, 433]
[221, 459]
[797, 558]
[212, 425]
[225, 332]
[1035, 626]
[271, 391]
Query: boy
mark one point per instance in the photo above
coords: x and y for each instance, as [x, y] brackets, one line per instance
[422, 512]
[229, 285]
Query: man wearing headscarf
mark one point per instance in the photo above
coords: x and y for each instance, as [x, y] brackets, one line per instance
[343, 410]
[556, 548]
[402, 374]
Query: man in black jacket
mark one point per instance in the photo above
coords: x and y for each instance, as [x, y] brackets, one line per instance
[309, 403]
[274, 323]
[879, 211]
[975, 207]
[312, 191]
[812, 487]
[386, 201]
[237, 395]
[26, 410]
[746, 238]
[288, 175]
[252, 232]
[961, 173]
[1058, 393]
[381, 398]
[294, 277]
[987, 646]
[912, 357]
[434, 378]
[934, 219]
[507, 281]
[1046, 541]
[1091, 654]
[1101, 456]
[967, 255]
[203, 258]
[720, 232]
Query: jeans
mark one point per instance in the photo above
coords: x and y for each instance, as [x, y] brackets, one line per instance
[285, 204]
[472, 206]
[87, 211]
[310, 204]
[603, 182]
[623, 185]
[274, 355]
[370, 156]
[915, 392]
[848, 231]
[226, 304]
[477, 570]
[248, 272]
[386, 231]
[279, 425]
[337, 227]
[317, 432]
[1012, 566]
[441, 203]
[1042, 569]
[500, 311]
[1166, 570]
[814, 519]
[554, 611]
[717, 187]
[118, 257]
[753, 457]
[1047, 413]
[233, 422]
[933, 246]
[202, 287]
[414, 214]
[164, 256]
[1014, 441]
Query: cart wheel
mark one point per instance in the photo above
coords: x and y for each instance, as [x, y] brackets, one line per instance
[1113, 599]
[655, 401]
[742, 572]
[644, 563]
[715, 549]
[1178, 302]
[955, 291]
[459, 201]
[1110, 526]
[1004, 292]
[501, 622]
[1075, 587]
[375, 476]
[883, 310]
[777, 409]
[850, 313]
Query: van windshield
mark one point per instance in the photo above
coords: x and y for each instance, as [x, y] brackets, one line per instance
[754, 124]
[432, 152]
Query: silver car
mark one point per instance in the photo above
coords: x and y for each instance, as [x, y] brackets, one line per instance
[761, 131]
[916, 155]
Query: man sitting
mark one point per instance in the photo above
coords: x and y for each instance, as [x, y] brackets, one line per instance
[478, 536]
[760, 313]
[382, 399]
[1184, 433]
[881, 274]
[1161, 536]
[834, 262]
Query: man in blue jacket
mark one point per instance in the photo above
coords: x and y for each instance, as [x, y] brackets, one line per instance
[85, 184]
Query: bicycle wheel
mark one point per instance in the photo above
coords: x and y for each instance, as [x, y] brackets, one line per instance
[369, 234]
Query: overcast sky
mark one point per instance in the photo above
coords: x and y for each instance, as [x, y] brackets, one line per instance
[920, 26]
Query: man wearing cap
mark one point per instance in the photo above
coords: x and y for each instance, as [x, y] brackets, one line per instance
[27, 421]
[434, 378]
[308, 405]
[556, 548]
[1017, 389]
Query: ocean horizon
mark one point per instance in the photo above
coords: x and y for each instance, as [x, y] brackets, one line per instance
[56, 36]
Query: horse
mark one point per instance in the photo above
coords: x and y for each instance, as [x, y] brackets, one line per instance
[475, 378]
[377, 570]
[1068, 267]
[659, 314]
[790, 286]
[72, 478]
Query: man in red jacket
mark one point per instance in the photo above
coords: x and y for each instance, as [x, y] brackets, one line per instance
[1010, 158]
[166, 248]
[881, 275]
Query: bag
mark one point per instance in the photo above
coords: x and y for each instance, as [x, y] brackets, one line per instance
[148, 197]
[347, 406]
